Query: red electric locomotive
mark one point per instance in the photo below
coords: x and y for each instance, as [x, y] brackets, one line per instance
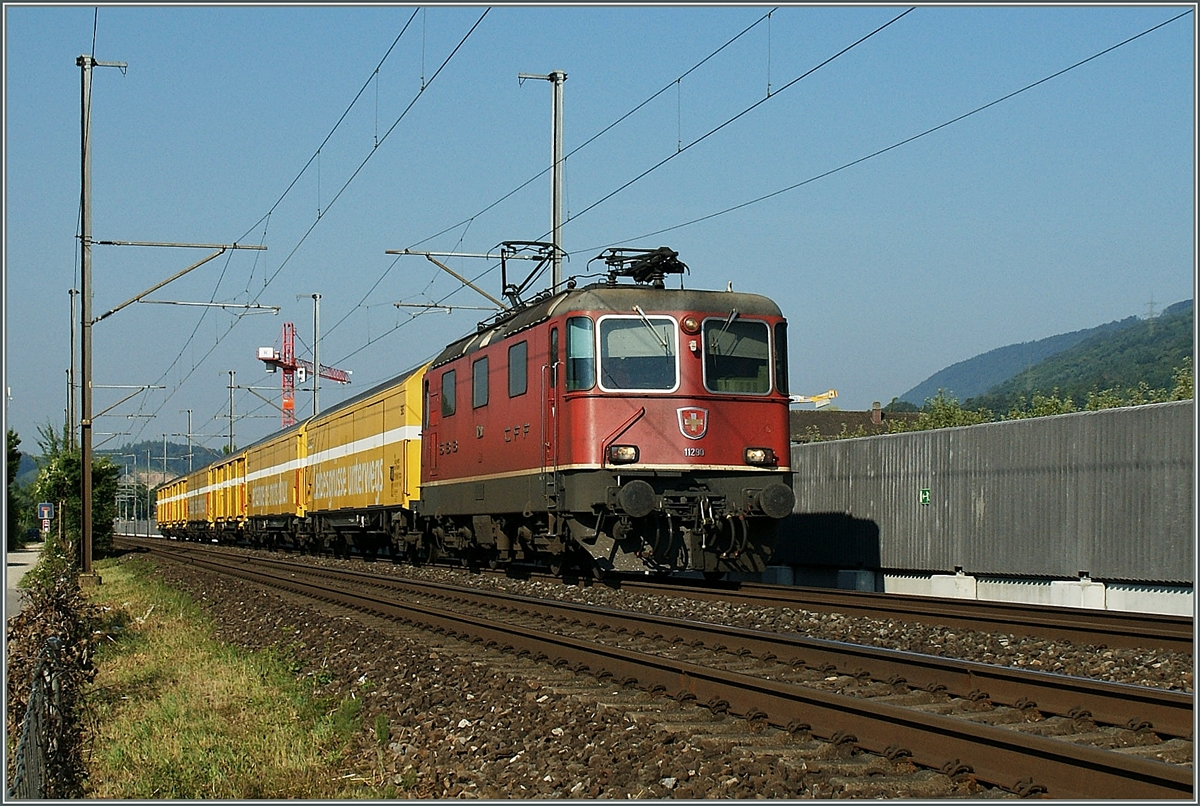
[617, 426]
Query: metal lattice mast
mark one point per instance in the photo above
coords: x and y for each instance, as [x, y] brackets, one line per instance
[289, 374]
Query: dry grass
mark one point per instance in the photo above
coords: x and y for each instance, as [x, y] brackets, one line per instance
[175, 714]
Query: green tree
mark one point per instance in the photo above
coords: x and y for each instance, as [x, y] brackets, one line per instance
[60, 482]
[1185, 381]
[942, 411]
[13, 537]
[1041, 406]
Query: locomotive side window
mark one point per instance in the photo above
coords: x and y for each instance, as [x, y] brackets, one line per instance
[518, 380]
[479, 383]
[553, 358]
[781, 358]
[448, 393]
[737, 356]
[638, 352]
[581, 354]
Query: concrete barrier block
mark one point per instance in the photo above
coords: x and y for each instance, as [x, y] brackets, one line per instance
[1077, 593]
[779, 575]
[857, 580]
[955, 586]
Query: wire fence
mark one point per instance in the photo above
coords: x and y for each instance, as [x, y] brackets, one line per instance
[41, 739]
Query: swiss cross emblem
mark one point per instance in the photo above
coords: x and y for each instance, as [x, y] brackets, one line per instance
[693, 422]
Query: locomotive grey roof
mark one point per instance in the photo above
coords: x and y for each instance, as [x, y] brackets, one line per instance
[604, 298]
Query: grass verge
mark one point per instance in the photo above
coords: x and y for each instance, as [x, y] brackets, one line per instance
[178, 715]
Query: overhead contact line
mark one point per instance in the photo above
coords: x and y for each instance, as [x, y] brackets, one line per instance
[741, 114]
[905, 141]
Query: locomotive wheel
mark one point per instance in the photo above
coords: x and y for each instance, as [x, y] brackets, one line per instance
[588, 568]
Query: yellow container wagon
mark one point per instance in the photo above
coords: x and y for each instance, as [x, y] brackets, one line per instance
[198, 514]
[275, 474]
[227, 477]
[171, 501]
[363, 466]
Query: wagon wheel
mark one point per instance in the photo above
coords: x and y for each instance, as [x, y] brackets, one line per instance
[430, 553]
[588, 567]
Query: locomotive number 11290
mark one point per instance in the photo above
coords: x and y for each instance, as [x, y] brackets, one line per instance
[693, 451]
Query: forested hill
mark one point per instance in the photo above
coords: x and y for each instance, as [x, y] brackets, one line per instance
[1149, 351]
[177, 460]
[978, 375]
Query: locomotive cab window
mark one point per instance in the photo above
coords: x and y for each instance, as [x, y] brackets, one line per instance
[638, 353]
[518, 380]
[781, 358]
[581, 354]
[479, 383]
[737, 356]
[448, 393]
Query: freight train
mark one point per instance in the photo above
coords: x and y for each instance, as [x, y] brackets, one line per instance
[617, 426]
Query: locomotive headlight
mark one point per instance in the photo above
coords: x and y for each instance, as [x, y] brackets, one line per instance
[622, 454]
[690, 325]
[761, 456]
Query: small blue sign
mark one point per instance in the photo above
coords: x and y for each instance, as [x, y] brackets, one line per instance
[45, 512]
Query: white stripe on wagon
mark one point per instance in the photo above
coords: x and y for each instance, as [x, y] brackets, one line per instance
[374, 442]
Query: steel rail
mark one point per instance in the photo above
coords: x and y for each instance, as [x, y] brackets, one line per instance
[1019, 762]
[1167, 712]
[1080, 625]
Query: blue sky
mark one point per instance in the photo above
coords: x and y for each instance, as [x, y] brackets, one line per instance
[1063, 207]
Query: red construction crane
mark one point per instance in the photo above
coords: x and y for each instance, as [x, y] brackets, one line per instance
[290, 364]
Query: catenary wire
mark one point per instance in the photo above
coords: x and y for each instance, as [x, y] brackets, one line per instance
[267, 216]
[744, 112]
[721, 126]
[602, 132]
[468, 221]
[331, 203]
[900, 143]
[842, 167]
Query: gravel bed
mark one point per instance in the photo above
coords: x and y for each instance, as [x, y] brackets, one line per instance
[1157, 668]
[464, 721]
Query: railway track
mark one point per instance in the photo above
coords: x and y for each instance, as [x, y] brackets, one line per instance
[1025, 732]
[1107, 627]
[1078, 625]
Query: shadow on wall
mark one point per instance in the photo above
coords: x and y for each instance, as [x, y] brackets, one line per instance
[832, 539]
